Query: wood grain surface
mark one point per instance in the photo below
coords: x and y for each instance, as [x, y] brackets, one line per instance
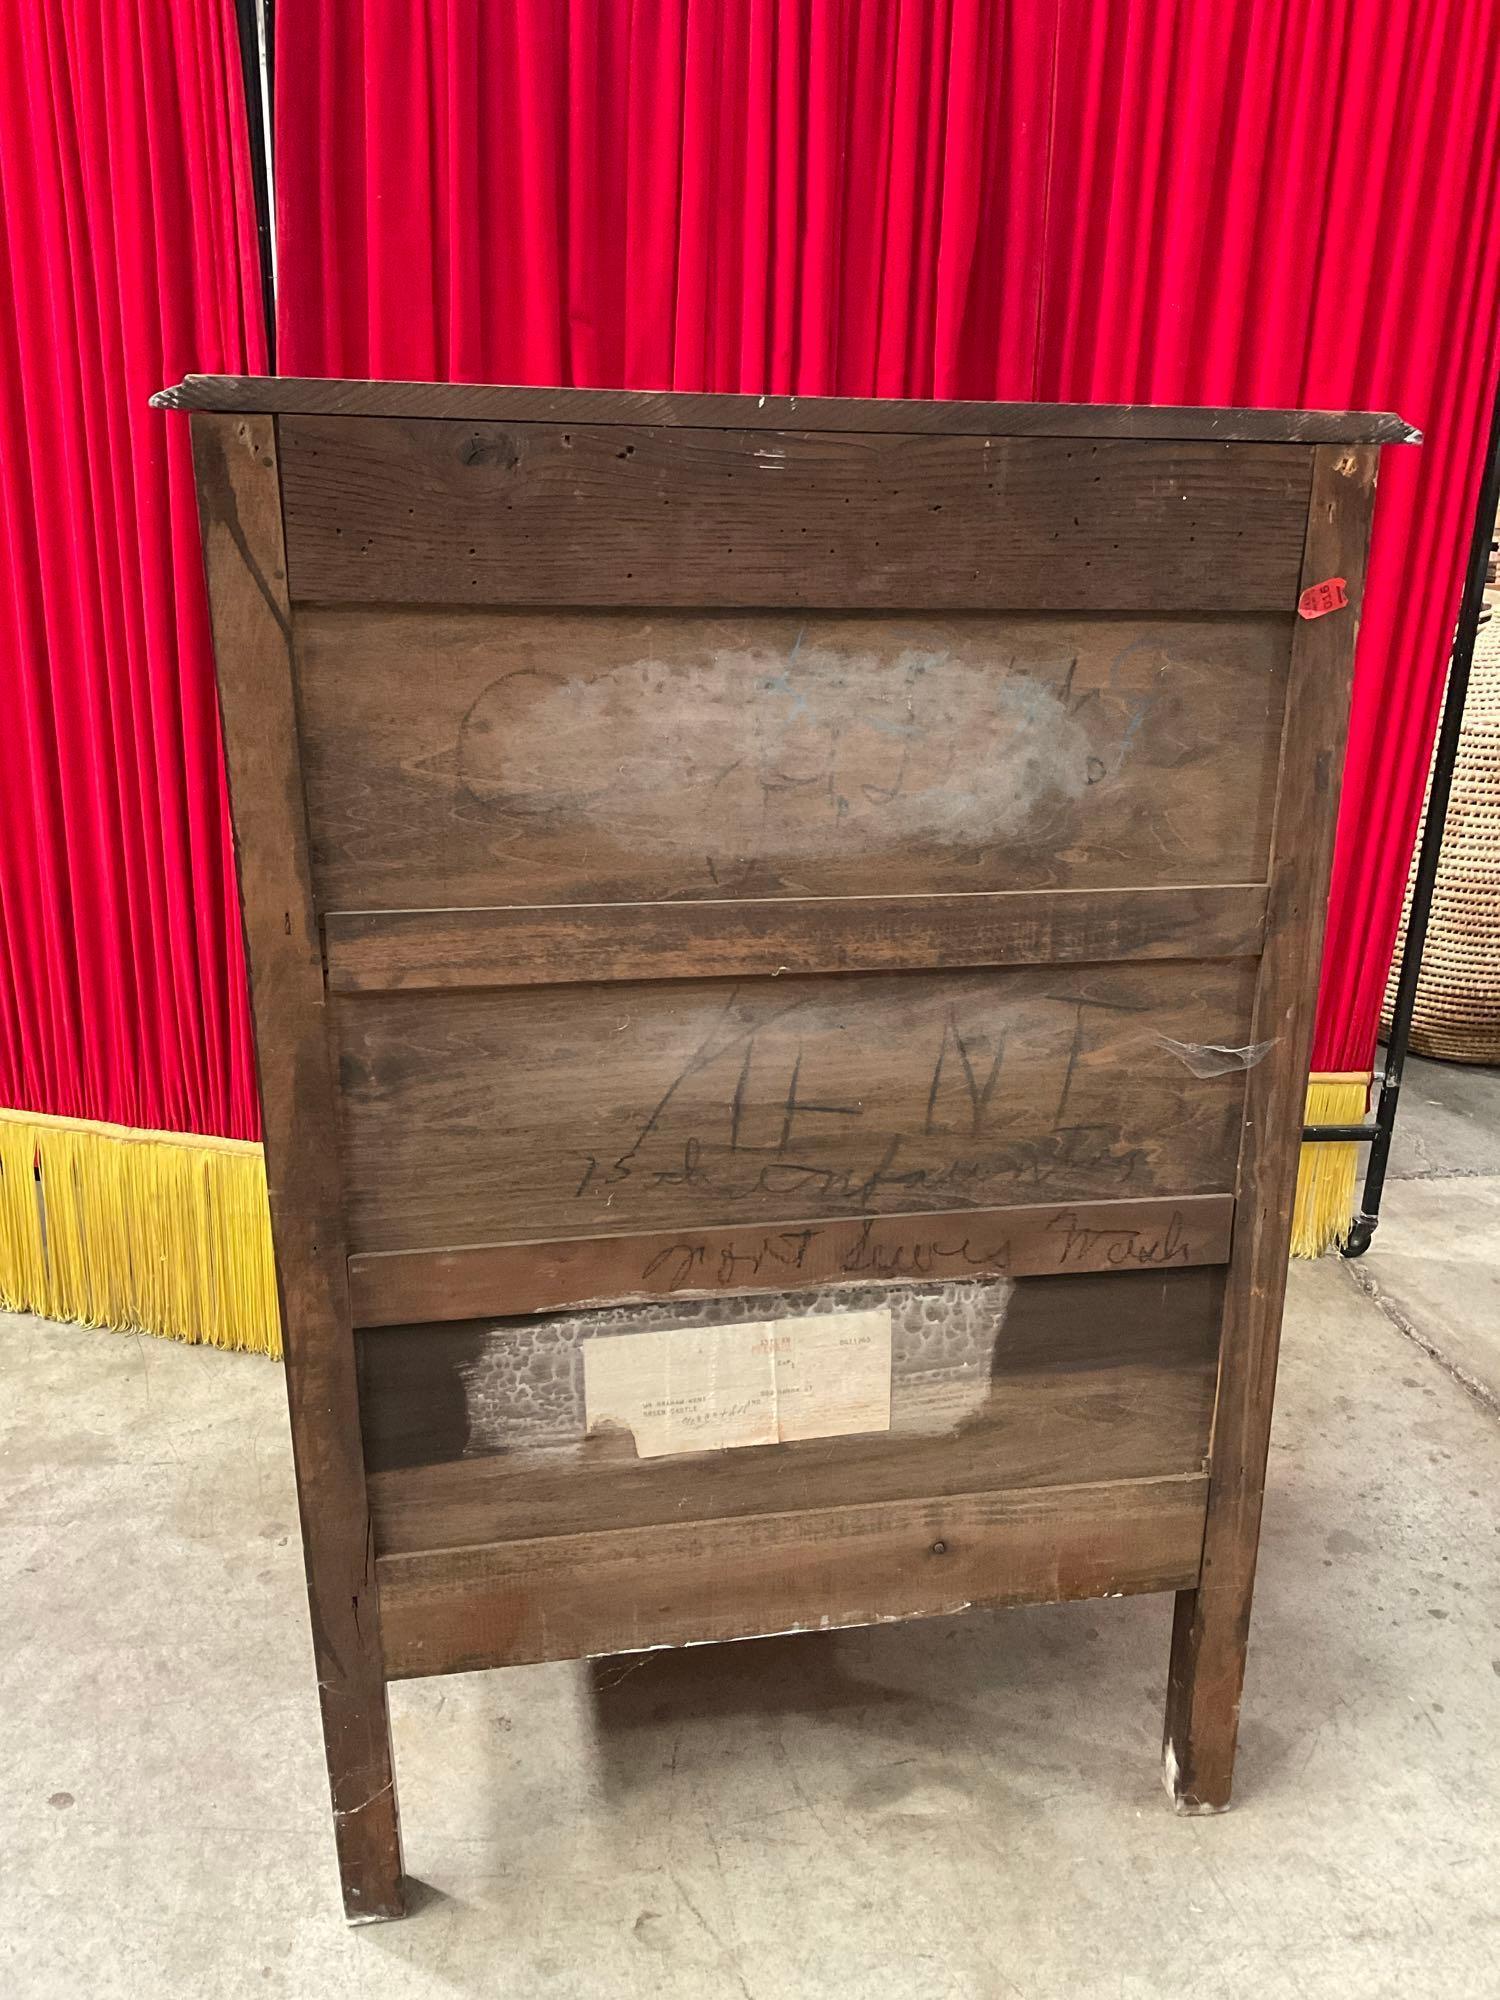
[475, 1432]
[703, 855]
[396, 1287]
[812, 1569]
[1212, 1621]
[406, 510]
[235, 463]
[388, 951]
[480, 758]
[322, 395]
[473, 1117]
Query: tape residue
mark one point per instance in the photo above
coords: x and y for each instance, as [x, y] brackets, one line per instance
[1214, 1058]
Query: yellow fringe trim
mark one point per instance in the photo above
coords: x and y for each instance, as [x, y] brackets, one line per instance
[1325, 1180]
[157, 1232]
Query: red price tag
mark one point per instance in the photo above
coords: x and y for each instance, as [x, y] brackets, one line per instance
[1321, 598]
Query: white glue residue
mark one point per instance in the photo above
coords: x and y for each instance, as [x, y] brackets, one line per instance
[788, 756]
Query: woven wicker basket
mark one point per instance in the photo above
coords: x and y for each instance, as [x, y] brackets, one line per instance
[1458, 994]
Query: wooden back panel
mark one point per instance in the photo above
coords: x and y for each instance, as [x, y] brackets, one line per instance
[392, 511]
[754, 849]
[481, 757]
[577, 866]
[475, 1115]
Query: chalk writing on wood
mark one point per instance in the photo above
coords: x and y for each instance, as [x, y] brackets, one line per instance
[749, 1141]
[580, 757]
[883, 1252]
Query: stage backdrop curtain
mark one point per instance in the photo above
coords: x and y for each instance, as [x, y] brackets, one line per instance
[1272, 201]
[1249, 201]
[127, 256]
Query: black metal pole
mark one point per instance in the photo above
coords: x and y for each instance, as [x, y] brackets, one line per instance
[1440, 788]
[257, 108]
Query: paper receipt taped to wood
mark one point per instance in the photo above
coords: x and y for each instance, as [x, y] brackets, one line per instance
[763, 1381]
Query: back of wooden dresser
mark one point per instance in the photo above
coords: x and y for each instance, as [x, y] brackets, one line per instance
[704, 871]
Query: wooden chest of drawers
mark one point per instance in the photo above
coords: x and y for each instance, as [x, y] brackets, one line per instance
[783, 939]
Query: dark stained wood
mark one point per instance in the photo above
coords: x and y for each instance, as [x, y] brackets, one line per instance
[889, 857]
[235, 462]
[474, 1433]
[1212, 1620]
[473, 1117]
[407, 510]
[503, 757]
[808, 1570]
[395, 1287]
[384, 951]
[324, 396]
[514, 1602]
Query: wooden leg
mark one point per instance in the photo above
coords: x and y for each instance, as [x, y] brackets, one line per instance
[1212, 1622]
[239, 495]
[1203, 1701]
[366, 1821]
[322, 1398]
[340, 1556]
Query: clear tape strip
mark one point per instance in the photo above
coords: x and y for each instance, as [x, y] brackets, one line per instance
[1215, 1058]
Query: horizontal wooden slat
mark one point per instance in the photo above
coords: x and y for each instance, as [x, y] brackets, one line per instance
[304, 395]
[488, 757]
[395, 1288]
[390, 511]
[568, 1596]
[381, 951]
[539, 1112]
[476, 1432]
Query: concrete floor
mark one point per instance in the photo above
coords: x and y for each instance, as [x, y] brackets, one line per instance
[1434, 1265]
[965, 1807]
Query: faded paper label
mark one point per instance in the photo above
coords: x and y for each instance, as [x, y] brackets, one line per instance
[764, 1381]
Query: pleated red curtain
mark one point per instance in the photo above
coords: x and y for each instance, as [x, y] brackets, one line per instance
[1249, 201]
[1267, 201]
[1257, 201]
[1298, 202]
[127, 256]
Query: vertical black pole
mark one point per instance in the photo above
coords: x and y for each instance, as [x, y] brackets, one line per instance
[1441, 786]
[257, 108]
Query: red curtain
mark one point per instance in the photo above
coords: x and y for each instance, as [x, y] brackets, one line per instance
[1249, 200]
[1257, 201]
[127, 256]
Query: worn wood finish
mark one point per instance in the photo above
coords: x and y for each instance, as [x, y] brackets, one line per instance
[1212, 1620]
[387, 951]
[699, 851]
[812, 1569]
[407, 510]
[475, 1432]
[293, 395]
[472, 1117]
[396, 1287]
[506, 757]
[235, 463]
